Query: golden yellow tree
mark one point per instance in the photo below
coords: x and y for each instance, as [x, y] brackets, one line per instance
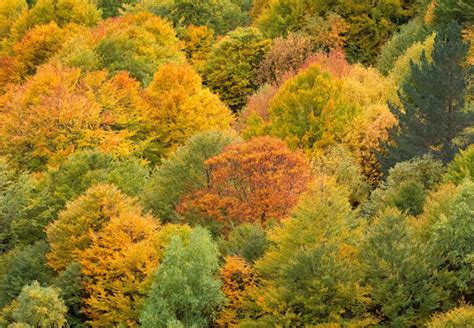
[71, 234]
[118, 265]
[179, 107]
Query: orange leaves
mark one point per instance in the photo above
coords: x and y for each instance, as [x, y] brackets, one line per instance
[57, 112]
[35, 48]
[238, 278]
[257, 181]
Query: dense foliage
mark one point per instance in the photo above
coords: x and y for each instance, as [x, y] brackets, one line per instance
[236, 163]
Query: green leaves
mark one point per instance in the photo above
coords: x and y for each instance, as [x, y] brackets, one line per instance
[39, 307]
[432, 114]
[231, 69]
[185, 291]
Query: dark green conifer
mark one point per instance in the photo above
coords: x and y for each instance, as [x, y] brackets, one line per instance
[433, 109]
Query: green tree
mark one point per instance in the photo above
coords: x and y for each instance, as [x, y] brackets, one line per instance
[84, 169]
[248, 241]
[310, 273]
[461, 11]
[183, 172]
[137, 43]
[17, 191]
[410, 33]
[449, 231]
[185, 292]
[221, 16]
[20, 267]
[231, 70]
[309, 110]
[462, 167]
[400, 272]
[70, 282]
[407, 186]
[112, 8]
[28, 206]
[431, 117]
[40, 307]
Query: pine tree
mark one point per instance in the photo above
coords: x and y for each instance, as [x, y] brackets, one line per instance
[432, 115]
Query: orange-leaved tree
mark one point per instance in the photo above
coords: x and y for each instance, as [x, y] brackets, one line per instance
[256, 181]
[58, 111]
[71, 234]
[118, 266]
[238, 278]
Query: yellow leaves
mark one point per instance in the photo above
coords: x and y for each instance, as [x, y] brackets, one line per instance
[179, 107]
[57, 112]
[198, 42]
[72, 232]
[365, 137]
[401, 68]
[118, 248]
[118, 264]
[461, 316]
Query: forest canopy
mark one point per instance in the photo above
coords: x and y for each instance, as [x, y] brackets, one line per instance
[236, 163]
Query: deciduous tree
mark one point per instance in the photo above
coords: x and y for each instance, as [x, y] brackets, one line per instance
[57, 112]
[180, 107]
[39, 307]
[72, 233]
[117, 267]
[182, 173]
[231, 70]
[238, 277]
[311, 274]
[185, 291]
[221, 16]
[257, 182]
[137, 43]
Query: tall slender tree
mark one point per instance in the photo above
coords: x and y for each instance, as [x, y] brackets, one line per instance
[433, 110]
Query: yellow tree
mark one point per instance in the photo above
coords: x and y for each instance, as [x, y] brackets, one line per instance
[179, 107]
[117, 247]
[118, 265]
[137, 43]
[71, 234]
[62, 12]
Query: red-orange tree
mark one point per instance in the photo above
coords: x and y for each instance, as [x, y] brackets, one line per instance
[256, 181]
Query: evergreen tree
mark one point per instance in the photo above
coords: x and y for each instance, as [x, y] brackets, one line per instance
[432, 113]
